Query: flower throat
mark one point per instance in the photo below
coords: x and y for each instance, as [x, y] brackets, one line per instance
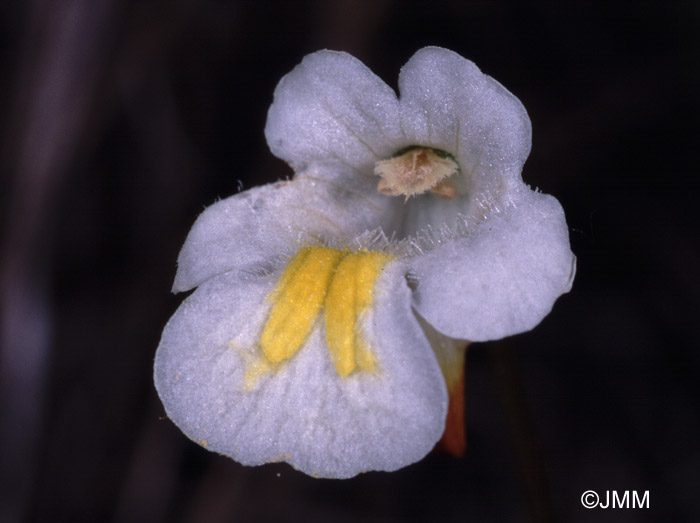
[415, 170]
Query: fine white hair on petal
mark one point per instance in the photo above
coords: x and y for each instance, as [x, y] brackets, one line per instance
[331, 107]
[249, 230]
[503, 276]
[485, 264]
[449, 104]
[303, 413]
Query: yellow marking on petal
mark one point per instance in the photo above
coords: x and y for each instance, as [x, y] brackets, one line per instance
[366, 360]
[349, 295]
[276, 459]
[295, 263]
[298, 297]
[339, 281]
[254, 370]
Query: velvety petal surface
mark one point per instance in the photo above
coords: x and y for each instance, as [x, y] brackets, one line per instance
[331, 107]
[303, 412]
[251, 230]
[500, 276]
[449, 104]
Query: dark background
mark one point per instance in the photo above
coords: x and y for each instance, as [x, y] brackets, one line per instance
[121, 120]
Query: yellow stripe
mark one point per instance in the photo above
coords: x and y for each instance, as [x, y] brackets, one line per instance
[298, 297]
[349, 295]
[318, 277]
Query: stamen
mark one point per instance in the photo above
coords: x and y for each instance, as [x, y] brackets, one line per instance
[445, 190]
[415, 171]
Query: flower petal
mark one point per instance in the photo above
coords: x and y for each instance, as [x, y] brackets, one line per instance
[247, 231]
[331, 107]
[503, 276]
[449, 104]
[303, 412]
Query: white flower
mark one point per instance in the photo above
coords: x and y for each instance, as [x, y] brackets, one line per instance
[326, 306]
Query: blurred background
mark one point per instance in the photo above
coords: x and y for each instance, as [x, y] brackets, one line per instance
[120, 120]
